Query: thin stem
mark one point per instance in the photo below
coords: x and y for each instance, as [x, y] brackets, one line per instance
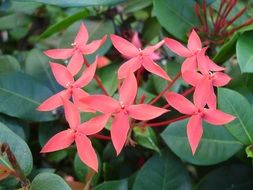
[187, 92]
[98, 80]
[103, 137]
[162, 123]
[166, 88]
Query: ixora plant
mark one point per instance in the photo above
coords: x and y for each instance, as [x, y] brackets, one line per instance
[131, 95]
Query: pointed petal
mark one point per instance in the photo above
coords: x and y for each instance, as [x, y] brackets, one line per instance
[59, 141]
[192, 77]
[152, 67]
[155, 56]
[86, 152]
[177, 48]
[194, 42]
[221, 79]
[202, 92]
[94, 125]
[53, 102]
[82, 35]
[202, 61]
[128, 90]
[93, 46]
[150, 49]
[189, 64]
[131, 65]
[180, 103]
[77, 95]
[214, 67]
[119, 131]
[194, 132]
[101, 103]
[72, 114]
[212, 101]
[123, 46]
[217, 117]
[87, 75]
[75, 63]
[136, 40]
[59, 53]
[145, 111]
[103, 61]
[61, 74]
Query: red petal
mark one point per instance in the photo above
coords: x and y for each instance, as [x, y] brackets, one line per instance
[202, 92]
[123, 46]
[150, 49]
[177, 48]
[212, 101]
[59, 141]
[194, 43]
[136, 40]
[103, 61]
[94, 125]
[128, 90]
[145, 111]
[93, 46]
[220, 79]
[77, 95]
[189, 64]
[61, 74]
[82, 35]
[152, 67]
[131, 65]
[192, 77]
[75, 63]
[202, 61]
[53, 102]
[86, 152]
[87, 75]
[194, 132]
[180, 103]
[217, 117]
[155, 56]
[214, 67]
[72, 114]
[101, 103]
[59, 53]
[119, 131]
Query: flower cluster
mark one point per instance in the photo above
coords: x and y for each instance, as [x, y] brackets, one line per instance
[197, 70]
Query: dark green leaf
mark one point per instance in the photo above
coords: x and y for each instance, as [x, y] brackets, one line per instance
[162, 171]
[216, 144]
[235, 104]
[136, 5]
[113, 185]
[8, 63]
[177, 20]
[20, 95]
[46, 181]
[13, 21]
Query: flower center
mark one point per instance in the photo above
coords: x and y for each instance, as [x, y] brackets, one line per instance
[122, 106]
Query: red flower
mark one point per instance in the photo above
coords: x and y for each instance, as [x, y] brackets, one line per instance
[77, 133]
[73, 88]
[79, 49]
[123, 110]
[137, 58]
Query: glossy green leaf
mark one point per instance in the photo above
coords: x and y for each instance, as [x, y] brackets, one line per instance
[113, 185]
[46, 181]
[146, 137]
[216, 144]
[20, 95]
[177, 20]
[77, 3]
[162, 171]
[229, 177]
[244, 52]
[235, 104]
[20, 150]
[13, 20]
[64, 23]
[8, 63]
[136, 5]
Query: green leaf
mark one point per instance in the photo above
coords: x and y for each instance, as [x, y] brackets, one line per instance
[146, 137]
[46, 181]
[13, 21]
[20, 150]
[235, 104]
[136, 5]
[8, 63]
[113, 185]
[64, 23]
[244, 52]
[177, 20]
[249, 151]
[76, 3]
[20, 95]
[162, 171]
[228, 177]
[215, 146]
